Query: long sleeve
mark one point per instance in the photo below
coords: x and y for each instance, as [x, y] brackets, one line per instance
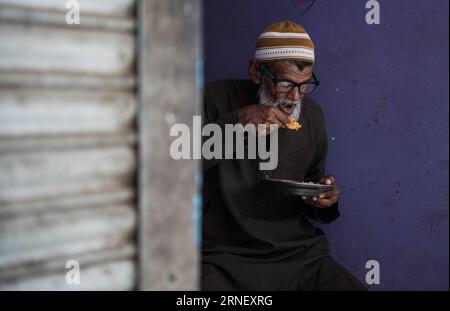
[222, 101]
[211, 115]
[324, 215]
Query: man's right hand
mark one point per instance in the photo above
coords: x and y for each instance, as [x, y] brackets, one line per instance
[262, 114]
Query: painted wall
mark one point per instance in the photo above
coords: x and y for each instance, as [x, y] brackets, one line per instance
[385, 96]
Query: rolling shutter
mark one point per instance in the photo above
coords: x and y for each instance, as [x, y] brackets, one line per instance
[67, 145]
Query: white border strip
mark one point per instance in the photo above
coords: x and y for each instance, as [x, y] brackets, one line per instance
[284, 53]
[284, 35]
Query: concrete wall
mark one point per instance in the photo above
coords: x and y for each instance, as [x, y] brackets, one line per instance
[385, 95]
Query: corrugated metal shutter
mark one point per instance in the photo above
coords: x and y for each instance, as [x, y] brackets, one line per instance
[67, 144]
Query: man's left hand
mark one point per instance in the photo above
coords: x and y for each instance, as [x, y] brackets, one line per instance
[325, 198]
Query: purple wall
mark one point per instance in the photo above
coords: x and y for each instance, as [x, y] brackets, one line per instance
[385, 96]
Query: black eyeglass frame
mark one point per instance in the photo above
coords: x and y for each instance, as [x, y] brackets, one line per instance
[275, 81]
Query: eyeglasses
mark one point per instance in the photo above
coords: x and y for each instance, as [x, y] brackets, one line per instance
[286, 86]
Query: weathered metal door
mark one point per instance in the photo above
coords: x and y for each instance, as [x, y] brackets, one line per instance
[67, 145]
[84, 145]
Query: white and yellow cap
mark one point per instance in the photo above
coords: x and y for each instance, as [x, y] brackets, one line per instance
[284, 40]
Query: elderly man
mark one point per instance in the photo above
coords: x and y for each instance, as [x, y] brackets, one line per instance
[255, 238]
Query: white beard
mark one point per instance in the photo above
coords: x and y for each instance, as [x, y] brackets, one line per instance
[265, 98]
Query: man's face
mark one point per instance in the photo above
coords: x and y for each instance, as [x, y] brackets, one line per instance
[284, 70]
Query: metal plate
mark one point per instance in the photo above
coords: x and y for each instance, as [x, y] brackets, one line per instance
[298, 188]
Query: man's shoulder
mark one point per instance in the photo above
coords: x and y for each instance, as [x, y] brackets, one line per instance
[312, 105]
[313, 109]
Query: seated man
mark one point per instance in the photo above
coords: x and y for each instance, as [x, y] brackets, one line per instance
[255, 238]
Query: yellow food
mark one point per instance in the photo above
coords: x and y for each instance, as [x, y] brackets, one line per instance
[293, 124]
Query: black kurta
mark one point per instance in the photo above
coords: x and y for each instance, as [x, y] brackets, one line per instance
[246, 224]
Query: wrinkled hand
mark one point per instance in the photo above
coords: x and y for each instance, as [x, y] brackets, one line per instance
[262, 114]
[325, 198]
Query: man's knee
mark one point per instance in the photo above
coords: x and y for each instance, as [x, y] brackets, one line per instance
[333, 276]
